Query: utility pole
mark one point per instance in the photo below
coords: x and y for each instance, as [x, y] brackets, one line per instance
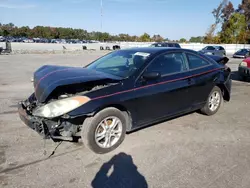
[101, 14]
[101, 20]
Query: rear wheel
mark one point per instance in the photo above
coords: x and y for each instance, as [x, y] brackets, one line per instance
[214, 101]
[105, 131]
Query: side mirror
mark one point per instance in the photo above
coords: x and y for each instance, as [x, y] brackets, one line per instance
[151, 75]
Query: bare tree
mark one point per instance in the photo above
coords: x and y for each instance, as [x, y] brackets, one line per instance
[217, 13]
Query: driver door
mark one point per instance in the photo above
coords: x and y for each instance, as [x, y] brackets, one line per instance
[166, 95]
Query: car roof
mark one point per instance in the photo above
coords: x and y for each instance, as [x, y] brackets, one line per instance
[157, 50]
[165, 43]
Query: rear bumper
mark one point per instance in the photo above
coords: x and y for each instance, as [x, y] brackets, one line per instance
[228, 87]
[238, 56]
[244, 71]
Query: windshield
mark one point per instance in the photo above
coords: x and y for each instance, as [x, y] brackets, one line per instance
[243, 50]
[122, 63]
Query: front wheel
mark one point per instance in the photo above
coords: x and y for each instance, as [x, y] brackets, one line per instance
[214, 101]
[105, 131]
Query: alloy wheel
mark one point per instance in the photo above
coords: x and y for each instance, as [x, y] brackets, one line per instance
[108, 132]
[214, 101]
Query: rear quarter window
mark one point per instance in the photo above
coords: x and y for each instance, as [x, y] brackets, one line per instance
[195, 62]
[210, 48]
[169, 45]
[177, 46]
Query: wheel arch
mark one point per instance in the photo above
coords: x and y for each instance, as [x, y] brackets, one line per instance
[123, 109]
[225, 92]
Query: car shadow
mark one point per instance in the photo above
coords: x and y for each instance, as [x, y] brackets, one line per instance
[162, 121]
[236, 77]
[17, 167]
[119, 171]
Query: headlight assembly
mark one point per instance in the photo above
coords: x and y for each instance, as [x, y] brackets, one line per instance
[60, 107]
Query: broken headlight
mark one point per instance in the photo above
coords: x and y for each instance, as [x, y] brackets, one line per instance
[60, 107]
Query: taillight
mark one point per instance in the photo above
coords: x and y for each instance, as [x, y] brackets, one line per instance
[244, 64]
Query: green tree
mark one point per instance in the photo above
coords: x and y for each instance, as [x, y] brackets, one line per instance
[235, 29]
[182, 40]
[69, 33]
[196, 39]
[145, 37]
[23, 32]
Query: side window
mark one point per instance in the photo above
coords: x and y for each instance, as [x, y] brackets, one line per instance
[168, 64]
[210, 48]
[196, 62]
[221, 48]
[177, 46]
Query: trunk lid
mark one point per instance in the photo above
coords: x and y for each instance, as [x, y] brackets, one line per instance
[219, 59]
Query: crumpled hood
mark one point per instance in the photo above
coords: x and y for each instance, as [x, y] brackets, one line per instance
[48, 78]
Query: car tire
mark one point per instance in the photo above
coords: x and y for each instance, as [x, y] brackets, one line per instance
[214, 102]
[92, 125]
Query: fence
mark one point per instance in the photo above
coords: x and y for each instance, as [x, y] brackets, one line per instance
[230, 48]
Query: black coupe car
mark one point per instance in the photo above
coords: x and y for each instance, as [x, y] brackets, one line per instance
[123, 91]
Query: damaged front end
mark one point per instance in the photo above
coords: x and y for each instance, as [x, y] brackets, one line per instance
[58, 128]
[58, 91]
[51, 119]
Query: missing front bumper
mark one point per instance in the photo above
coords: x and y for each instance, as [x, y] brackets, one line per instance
[32, 122]
[48, 129]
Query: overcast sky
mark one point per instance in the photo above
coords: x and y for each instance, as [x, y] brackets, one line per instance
[172, 19]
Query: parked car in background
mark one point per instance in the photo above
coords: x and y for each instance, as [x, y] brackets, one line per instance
[244, 69]
[123, 91]
[165, 44]
[242, 53]
[2, 39]
[44, 40]
[214, 50]
[27, 40]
